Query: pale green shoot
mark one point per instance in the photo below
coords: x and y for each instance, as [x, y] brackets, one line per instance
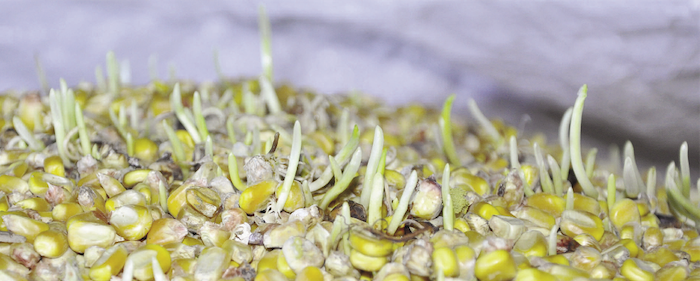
[26, 135]
[344, 181]
[372, 164]
[382, 162]
[233, 173]
[545, 181]
[249, 103]
[198, 117]
[341, 157]
[176, 105]
[558, 182]
[630, 179]
[484, 122]
[552, 247]
[178, 148]
[612, 191]
[209, 147]
[448, 212]
[308, 197]
[514, 162]
[129, 144]
[41, 74]
[59, 129]
[112, 73]
[267, 91]
[82, 131]
[265, 43]
[405, 200]
[335, 167]
[570, 199]
[446, 130]
[564, 142]
[629, 153]
[377, 197]
[575, 145]
[134, 115]
[343, 124]
[291, 167]
[651, 183]
[229, 130]
[680, 203]
[590, 162]
[685, 170]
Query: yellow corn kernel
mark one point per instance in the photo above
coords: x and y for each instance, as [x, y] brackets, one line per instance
[37, 204]
[674, 245]
[18, 169]
[145, 190]
[51, 243]
[631, 247]
[254, 197]
[204, 200]
[54, 165]
[110, 185]
[166, 230]
[131, 222]
[133, 177]
[89, 180]
[191, 241]
[585, 203]
[532, 274]
[145, 149]
[604, 271]
[623, 212]
[270, 275]
[531, 244]
[672, 273]
[36, 183]
[29, 228]
[690, 234]
[311, 273]
[4, 204]
[295, 200]
[85, 230]
[110, 263]
[395, 179]
[576, 222]
[530, 173]
[366, 243]
[268, 261]
[660, 256]
[550, 203]
[7, 264]
[484, 210]
[142, 260]
[3, 227]
[445, 260]
[461, 225]
[128, 197]
[324, 142]
[635, 270]
[183, 265]
[284, 268]
[8, 184]
[463, 177]
[495, 266]
[586, 258]
[653, 236]
[367, 263]
[178, 198]
[535, 216]
[504, 212]
[185, 138]
[650, 220]
[557, 259]
[62, 212]
[643, 208]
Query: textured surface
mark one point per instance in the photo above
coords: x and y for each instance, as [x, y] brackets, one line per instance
[642, 64]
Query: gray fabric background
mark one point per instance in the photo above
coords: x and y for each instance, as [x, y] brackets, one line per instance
[640, 60]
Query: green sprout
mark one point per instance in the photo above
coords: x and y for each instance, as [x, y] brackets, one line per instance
[685, 170]
[229, 130]
[26, 135]
[570, 199]
[514, 162]
[629, 153]
[484, 122]
[590, 162]
[41, 74]
[545, 180]
[343, 124]
[448, 212]
[176, 105]
[612, 191]
[199, 118]
[372, 164]
[163, 195]
[82, 131]
[343, 155]
[630, 179]
[129, 144]
[382, 162]
[564, 142]
[59, 129]
[446, 130]
[405, 200]
[337, 173]
[209, 147]
[575, 145]
[178, 148]
[265, 43]
[249, 103]
[291, 167]
[342, 184]
[112, 73]
[233, 173]
[134, 115]
[374, 213]
[308, 196]
[552, 246]
[556, 175]
[267, 91]
[678, 202]
[651, 186]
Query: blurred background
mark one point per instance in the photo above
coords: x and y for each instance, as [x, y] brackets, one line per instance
[641, 62]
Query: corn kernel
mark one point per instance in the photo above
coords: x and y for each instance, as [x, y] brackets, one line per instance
[110, 263]
[550, 203]
[37, 204]
[532, 274]
[166, 230]
[578, 222]
[37, 185]
[445, 260]
[51, 243]
[85, 230]
[204, 200]
[131, 222]
[364, 242]
[531, 244]
[211, 264]
[62, 212]
[29, 228]
[254, 197]
[284, 268]
[660, 256]
[367, 263]
[314, 273]
[110, 185]
[564, 272]
[635, 270]
[142, 260]
[557, 259]
[295, 200]
[484, 210]
[270, 275]
[54, 165]
[8, 184]
[623, 212]
[671, 273]
[268, 261]
[145, 149]
[496, 265]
